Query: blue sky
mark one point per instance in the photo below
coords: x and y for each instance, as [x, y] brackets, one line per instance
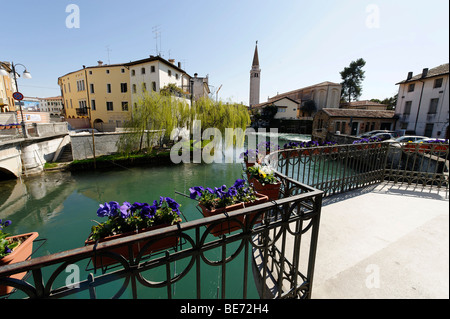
[300, 42]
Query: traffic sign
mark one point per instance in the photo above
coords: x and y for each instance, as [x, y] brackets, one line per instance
[18, 96]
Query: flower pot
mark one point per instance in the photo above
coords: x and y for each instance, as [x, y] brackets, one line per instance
[163, 244]
[289, 154]
[2, 127]
[310, 152]
[260, 199]
[7, 127]
[20, 253]
[272, 191]
[227, 226]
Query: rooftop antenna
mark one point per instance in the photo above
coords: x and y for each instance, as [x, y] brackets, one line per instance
[108, 50]
[157, 35]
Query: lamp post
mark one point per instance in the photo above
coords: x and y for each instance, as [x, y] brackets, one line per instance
[26, 75]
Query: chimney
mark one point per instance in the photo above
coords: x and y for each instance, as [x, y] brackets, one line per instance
[172, 61]
[424, 73]
[100, 63]
[179, 65]
[195, 75]
[410, 75]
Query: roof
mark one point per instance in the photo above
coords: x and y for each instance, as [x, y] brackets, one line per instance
[326, 83]
[437, 71]
[255, 57]
[273, 101]
[363, 103]
[359, 113]
[155, 58]
[150, 59]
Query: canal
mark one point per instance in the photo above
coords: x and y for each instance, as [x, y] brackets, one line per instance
[61, 207]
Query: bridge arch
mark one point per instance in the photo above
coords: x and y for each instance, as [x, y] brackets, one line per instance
[6, 174]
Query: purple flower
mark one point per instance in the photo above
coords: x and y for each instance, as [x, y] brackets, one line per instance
[232, 192]
[239, 183]
[104, 210]
[125, 210]
[173, 205]
[114, 209]
[196, 191]
[148, 211]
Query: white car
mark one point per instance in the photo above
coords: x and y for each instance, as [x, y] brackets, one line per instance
[408, 138]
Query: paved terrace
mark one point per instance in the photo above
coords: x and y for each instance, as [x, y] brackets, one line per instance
[384, 241]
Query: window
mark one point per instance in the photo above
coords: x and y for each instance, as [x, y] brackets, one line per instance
[338, 127]
[142, 70]
[124, 106]
[71, 105]
[438, 83]
[154, 86]
[90, 72]
[134, 88]
[144, 87]
[429, 130]
[93, 105]
[69, 87]
[433, 106]
[411, 87]
[152, 69]
[92, 87]
[65, 89]
[169, 72]
[107, 71]
[123, 87]
[133, 72]
[108, 88]
[176, 76]
[404, 126]
[80, 85]
[109, 106]
[122, 70]
[407, 109]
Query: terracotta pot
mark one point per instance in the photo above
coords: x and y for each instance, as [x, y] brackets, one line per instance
[260, 199]
[287, 153]
[227, 226]
[163, 244]
[2, 127]
[19, 254]
[272, 191]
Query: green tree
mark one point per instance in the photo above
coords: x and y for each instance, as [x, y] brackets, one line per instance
[352, 77]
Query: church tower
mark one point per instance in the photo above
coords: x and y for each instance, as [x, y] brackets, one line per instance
[255, 73]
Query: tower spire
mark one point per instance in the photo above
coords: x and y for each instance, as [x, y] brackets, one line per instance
[255, 73]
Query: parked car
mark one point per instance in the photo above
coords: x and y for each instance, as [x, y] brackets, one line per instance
[407, 138]
[372, 133]
[384, 136]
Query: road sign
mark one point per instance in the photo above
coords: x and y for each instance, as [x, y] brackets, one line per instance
[18, 96]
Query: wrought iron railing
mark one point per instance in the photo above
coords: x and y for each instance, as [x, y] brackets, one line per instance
[277, 240]
[341, 168]
[264, 232]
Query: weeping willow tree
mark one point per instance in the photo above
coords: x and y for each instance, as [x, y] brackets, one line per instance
[157, 116]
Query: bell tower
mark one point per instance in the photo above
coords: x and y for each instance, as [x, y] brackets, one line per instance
[255, 74]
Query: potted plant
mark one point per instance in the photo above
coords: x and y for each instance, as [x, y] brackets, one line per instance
[2, 127]
[329, 148]
[129, 219]
[250, 157]
[264, 181]
[221, 200]
[365, 143]
[14, 249]
[288, 147]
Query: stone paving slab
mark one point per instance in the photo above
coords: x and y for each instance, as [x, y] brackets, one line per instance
[385, 241]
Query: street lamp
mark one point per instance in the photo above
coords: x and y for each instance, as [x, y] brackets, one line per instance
[26, 75]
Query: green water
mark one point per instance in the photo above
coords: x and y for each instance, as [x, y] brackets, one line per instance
[61, 207]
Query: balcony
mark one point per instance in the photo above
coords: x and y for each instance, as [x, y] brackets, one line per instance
[283, 249]
[82, 111]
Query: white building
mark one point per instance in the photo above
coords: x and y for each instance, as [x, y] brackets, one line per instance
[423, 104]
[287, 109]
[153, 74]
[52, 105]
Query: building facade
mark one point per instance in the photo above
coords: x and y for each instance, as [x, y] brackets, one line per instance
[423, 103]
[287, 109]
[99, 93]
[153, 74]
[325, 95]
[7, 88]
[52, 105]
[351, 122]
[255, 79]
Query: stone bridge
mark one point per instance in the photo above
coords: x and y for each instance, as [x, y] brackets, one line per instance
[28, 155]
